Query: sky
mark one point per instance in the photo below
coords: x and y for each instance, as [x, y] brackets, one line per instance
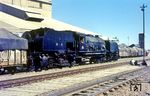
[110, 18]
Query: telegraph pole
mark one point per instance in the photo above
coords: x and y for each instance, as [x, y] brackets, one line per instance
[143, 10]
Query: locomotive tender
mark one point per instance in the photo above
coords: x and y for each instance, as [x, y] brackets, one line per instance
[66, 47]
[112, 50]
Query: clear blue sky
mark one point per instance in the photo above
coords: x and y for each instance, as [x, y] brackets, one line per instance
[112, 18]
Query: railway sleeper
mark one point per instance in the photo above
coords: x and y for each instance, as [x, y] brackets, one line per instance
[112, 90]
[116, 88]
[120, 86]
[124, 84]
[105, 93]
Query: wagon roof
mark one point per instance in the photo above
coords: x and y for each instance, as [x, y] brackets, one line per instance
[10, 41]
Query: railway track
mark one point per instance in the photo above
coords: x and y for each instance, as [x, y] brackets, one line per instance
[101, 86]
[38, 78]
[50, 86]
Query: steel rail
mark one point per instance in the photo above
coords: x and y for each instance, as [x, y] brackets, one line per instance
[38, 78]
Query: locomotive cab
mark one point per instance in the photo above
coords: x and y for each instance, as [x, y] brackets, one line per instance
[90, 49]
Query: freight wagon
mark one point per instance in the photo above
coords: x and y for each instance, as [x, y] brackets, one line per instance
[13, 51]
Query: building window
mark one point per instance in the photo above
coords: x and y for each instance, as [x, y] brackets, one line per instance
[12, 2]
[33, 4]
[40, 5]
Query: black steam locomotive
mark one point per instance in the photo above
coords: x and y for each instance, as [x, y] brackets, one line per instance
[68, 47]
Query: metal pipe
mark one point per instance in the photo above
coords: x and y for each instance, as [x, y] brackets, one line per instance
[143, 10]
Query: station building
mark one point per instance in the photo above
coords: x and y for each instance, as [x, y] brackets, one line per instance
[18, 16]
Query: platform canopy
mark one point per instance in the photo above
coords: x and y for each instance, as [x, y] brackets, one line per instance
[10, 41]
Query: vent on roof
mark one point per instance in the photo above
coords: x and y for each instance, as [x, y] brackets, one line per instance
[43, 1]
[31, 16]
[20, 13]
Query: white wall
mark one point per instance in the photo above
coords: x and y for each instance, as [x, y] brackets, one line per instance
[44, 8]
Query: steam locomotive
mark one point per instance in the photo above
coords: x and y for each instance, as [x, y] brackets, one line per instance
[67, 47]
